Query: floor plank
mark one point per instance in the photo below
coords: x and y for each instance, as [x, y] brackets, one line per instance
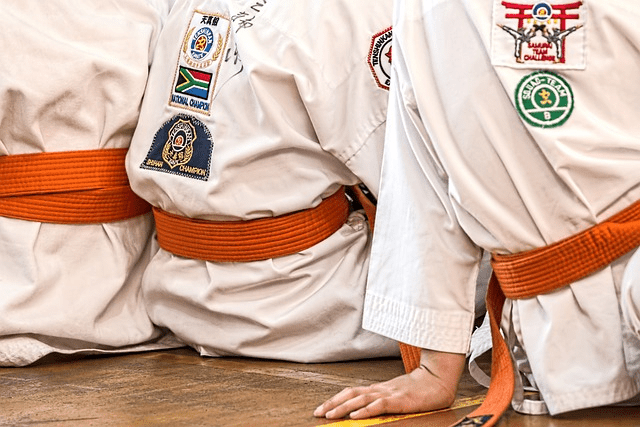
[180, 388]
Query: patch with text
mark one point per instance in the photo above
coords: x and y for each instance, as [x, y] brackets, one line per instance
[379, 57]
[182, 146]
[544, 99]
[539, 34]
[200, 60]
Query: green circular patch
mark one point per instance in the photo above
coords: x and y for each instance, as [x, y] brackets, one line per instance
[544, 99]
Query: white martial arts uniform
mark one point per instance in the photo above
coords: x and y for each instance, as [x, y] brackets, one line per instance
[286, 102]
[72, 78]
[505, 146]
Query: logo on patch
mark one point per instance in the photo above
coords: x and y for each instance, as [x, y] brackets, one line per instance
[380, 58]
[539, 33]
[182, 146]
[202, 46]
[201, 43]
[544, 99]
[201, 57]
[541, 11]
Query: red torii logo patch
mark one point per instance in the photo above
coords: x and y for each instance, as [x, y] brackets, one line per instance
[539, 34]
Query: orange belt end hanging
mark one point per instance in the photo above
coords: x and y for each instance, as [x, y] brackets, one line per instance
[502, 384]
[540, 271]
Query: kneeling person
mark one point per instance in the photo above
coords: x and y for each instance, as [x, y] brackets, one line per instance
[256, 119]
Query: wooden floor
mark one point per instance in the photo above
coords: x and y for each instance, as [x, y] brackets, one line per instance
[180, 388]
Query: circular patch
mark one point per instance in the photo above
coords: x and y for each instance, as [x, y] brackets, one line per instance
[544, 99]
[541, 11]
[201, 43]
[380, 58]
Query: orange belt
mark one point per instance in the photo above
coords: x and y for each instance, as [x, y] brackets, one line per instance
[69, 187]
[252, 240]
[540, 271]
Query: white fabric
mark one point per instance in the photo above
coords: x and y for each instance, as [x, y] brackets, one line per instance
[630, 294]
[72, 78]
[293, 113]
[463, 171]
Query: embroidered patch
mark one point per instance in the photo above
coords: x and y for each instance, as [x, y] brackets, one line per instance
[544, 99]
[380, 58]
[477, 421]
[193, 82]
[539, 34]
[201, 57]
[182, 146]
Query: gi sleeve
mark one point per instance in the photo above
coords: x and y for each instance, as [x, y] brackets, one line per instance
[423, 269]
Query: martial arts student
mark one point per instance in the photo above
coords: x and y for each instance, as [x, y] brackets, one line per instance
[510, 147]
[74, 238]
[257, 118]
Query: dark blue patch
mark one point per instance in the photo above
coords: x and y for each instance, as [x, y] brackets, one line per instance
[182, 146]
[476, 421]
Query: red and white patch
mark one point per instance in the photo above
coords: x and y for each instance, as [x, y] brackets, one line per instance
[380, 58]
[547, 34]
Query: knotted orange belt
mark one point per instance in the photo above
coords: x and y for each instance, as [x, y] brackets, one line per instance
[70, 187]
[251, 240]
[540, 271]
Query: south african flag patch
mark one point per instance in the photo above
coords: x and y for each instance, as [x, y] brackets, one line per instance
[193, 82]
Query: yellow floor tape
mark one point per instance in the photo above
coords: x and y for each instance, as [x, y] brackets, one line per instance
[460, 403]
